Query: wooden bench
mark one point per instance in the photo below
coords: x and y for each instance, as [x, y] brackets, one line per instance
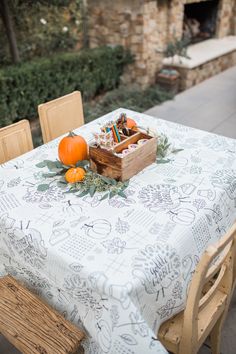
[31, 325]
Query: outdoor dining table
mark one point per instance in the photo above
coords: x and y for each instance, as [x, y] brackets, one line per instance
[119, 267]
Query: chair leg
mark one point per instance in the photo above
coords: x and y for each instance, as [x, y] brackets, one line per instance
[215, 336]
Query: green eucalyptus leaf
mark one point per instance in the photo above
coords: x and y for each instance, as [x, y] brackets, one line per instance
[162, 161]
[161, 153]
[167, 146]
[112, 194]
[105, 196]
[175, 151]
[58, 164]
[82, 163]
[122, 194]
[106, 179]
[126, 183]
[42, 187]
[48, 175]
[85, 192]
[58, 171]
[41, 164]
[92, 190]
[72, 190]
[51, 165]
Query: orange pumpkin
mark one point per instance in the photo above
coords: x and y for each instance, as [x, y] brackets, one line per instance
[131, 124]
[72, 148]
[74, 175]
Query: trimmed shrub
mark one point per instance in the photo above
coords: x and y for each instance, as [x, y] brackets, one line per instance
[23, 87]
[130, 98]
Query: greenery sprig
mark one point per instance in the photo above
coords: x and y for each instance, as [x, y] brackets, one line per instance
[91, 184]
[164, 149]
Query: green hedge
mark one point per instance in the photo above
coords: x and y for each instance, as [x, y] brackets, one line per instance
[25, 86]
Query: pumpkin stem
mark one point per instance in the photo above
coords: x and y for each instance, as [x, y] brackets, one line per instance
[171, 212]
[72, 134]
[91, 226]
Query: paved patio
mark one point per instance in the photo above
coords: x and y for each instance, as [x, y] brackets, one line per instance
[209, 106]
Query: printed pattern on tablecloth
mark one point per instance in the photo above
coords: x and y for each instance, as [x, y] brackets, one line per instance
[118, 268]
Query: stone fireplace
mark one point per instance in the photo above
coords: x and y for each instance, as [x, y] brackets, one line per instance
[147, 26]
[200, 20]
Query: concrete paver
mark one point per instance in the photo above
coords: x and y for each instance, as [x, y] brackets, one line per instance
[210, 106]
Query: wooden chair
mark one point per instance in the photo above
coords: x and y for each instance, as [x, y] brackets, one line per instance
[15, 140]
[31, 325]
[207, 303]
[61, 115]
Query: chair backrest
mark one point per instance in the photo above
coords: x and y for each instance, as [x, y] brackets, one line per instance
[15, 140]
[215, 267]
[61, 115]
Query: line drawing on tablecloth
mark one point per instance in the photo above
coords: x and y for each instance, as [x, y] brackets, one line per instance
[119, 303]
[116, 265]
[183, 216]
[97, 229]
[59, 235]
[156, 266]
[13, 182]
[26, 242]
[52, 194]
[160, 197]
[72, 209]
[9, 202]
[226, 180]
[122, 226]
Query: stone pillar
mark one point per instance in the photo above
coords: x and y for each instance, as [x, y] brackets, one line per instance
[138, 25]
[176, 18]
[224, 25]
[234, 21]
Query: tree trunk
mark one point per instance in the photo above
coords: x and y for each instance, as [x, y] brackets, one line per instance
[84, 24]
[7, 21]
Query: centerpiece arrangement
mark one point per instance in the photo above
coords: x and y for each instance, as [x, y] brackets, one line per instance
[119, 151]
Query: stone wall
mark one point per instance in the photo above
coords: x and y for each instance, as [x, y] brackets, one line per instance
[145, 27]
[191, 77]
[136, 25]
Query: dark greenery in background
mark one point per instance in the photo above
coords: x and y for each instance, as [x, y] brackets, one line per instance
[130, 98]
[25, 86]
[41, 27]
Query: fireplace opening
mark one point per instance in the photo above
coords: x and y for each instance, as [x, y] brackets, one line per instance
[200, 20]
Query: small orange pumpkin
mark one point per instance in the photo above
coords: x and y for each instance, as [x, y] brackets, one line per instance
[72, 148]
[131, 124]
[74, 175]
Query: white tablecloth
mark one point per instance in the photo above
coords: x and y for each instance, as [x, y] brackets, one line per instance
[118, 268]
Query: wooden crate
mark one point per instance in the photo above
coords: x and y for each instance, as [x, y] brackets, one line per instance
[107, 164]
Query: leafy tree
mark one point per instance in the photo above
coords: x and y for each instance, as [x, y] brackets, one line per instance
[9, 27]
[8, 22]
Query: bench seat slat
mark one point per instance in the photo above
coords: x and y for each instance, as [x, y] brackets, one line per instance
[31, 325]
